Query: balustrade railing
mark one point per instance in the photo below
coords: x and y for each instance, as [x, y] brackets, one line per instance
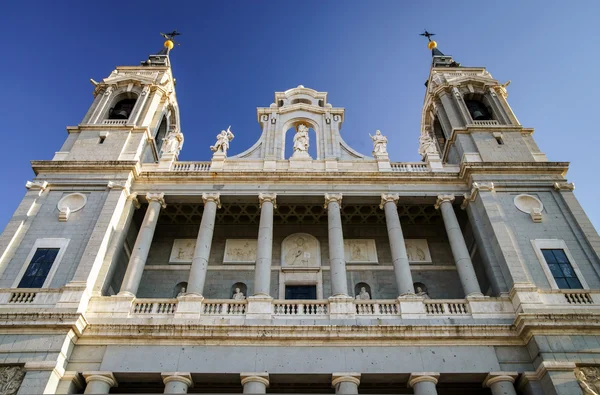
[191, 166]
[143, 307]
[224, 307]
[409, 167]
[300, 307]
[579, 298]
[114, 122]
[22, 297]
[377, 307]
[446, 307]
[490, 122]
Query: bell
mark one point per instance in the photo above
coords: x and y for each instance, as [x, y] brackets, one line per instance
[120, 114]
[478, 115]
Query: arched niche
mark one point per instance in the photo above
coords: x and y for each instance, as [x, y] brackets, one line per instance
[315, 138]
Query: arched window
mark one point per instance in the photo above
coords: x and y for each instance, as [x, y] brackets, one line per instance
[180, 288]
[478, 110]
[122, 109]
[438, 132]
[296, 101]
[161, 132]
[242, 288]
[360, 289]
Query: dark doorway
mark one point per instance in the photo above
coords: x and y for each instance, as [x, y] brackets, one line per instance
[295, 292]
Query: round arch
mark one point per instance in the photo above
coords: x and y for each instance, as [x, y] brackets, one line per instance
[293, 123]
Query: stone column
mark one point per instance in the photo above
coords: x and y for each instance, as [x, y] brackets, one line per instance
[458, 245]
[345, 383]
[423, 383]
[337, 261]
[135, 268]
[501, 383]
[99, 382]
[264, 249]
[255, 383]
[177, 382]
[402, 272]
[203, 244]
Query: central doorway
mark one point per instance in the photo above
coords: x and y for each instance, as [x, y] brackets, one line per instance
[306, 292]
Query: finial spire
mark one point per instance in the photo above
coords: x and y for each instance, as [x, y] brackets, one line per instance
[162, 57]
[431, 44]
[170, 40]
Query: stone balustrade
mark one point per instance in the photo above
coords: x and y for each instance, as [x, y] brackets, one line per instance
[572, 297]
[401, 167]
[300, 307]
[491, 122]
[447, 307]
[191, 166]
[35, 297]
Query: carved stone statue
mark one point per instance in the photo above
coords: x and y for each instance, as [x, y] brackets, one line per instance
[427, 146]
[301, 141]
[421, 292]
[172, 143]
[363, 295]
[222, 144]
[238, 295]
[588, 378]
[11, 378]
[379, 144]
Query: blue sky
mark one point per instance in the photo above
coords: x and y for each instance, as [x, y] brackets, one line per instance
[236, 54]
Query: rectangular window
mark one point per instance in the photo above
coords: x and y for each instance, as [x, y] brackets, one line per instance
[296, 292]
[561, 269]
[38, 268]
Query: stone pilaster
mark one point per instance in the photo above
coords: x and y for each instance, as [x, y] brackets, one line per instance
[424, 383]
[99, 382]
[337, 261]
[177, 382]
[345, 383]
[255, 383]
[139, 255]
[264, 250]
[197, 277]
[402, 272]
[464, 266]
[501, 383]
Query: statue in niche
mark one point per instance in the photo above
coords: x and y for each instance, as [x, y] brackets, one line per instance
[427, 146]
[172, 143]
[421, 292]
[379, 144]
[238, 295]
[588, 378]
[222, 144]
[363, 295]
[301, 141]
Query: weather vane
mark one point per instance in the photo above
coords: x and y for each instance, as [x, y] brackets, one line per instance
[170, 42]
[432, 44]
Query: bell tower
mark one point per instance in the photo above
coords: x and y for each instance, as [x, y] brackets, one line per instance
[133, 111]
[466, 117]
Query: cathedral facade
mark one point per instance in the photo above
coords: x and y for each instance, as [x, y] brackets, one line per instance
[300, 268]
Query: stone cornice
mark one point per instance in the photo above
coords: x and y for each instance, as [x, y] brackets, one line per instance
[467, 169]
[563, 323]
[84, 166]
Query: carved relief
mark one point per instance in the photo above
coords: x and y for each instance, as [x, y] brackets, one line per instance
[240, 251]
[360, 251]
[69, 204]
[531, 205]
[183, 251]
[589, 379]
[300, 250]
[11, 378]
[417, 250]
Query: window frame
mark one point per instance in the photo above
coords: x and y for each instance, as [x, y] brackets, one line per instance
[61, 244]
[556, 244]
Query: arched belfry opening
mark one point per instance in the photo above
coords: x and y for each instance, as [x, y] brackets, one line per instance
[300, 142]
[122, 106]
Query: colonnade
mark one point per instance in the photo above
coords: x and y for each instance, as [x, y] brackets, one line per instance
[337, 263]
[422, 383]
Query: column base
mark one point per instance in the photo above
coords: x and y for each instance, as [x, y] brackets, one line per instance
[341, 307]
[189, 307]
[525, 298]
[259, 307]
[412, 306]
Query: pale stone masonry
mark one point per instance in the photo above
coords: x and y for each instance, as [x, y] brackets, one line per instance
[474, 271]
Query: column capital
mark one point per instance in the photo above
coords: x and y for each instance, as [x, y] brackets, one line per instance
[476, 187]
[157, 197]
[124, 185]
[40, 185]
[564, 186]
[185, 378]
[333, 197]
[267, 197]
[105, 377]
[212, 197]
[443, 198]
[133, 197]
[420, 377]
[352, 377]
[495, 377]
[259, 377]
[388, 197]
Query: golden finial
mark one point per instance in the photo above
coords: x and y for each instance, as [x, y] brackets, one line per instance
[431, 44]
[170, 39]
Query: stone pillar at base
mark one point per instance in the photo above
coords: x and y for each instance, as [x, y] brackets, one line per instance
[218, 161]
[412, 306]
[255, 383]
[341, 307]
[259, 307]
[383, 162]
[345, 383]
[166, 161]
[189, 307]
